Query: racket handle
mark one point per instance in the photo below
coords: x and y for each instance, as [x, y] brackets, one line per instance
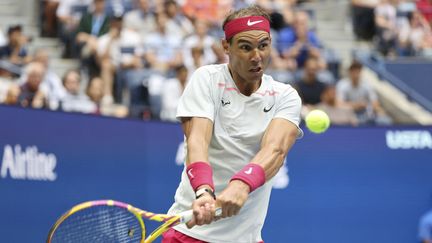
[186, 216]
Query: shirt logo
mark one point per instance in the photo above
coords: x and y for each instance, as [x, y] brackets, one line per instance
[190, 173]
[225, 102]
[250, 23]
[268, 109]
[249, 171]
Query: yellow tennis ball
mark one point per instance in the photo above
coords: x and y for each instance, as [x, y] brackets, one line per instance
[317, 121]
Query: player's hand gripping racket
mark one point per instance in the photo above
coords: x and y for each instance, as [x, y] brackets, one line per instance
[110, 221]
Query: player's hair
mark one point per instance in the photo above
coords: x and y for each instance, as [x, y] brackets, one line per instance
[252, 10]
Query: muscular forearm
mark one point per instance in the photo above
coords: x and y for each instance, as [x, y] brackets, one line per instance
[197, 150]
[198, 132]
[275, 145]
[271, 159]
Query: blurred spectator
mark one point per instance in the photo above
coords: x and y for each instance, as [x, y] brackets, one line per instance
[354, 92]
[75, 100]
[3, 40]
[309, 87]
[51, 85]
[425, 7]
[427, 46]
[91, 26]
[177, 24]
[163, 50]
[49, 18]
[141, 19]
[299, 43]
[69, 13]
[288, 15]
[386, 27]
[363, 18]
[15, 51]
[116, 52]
[414, 36]
[196, 59]
[282, 70]
[31, 95]
[212, 11]
[202, 42]
[12, 95]
[95, 92]
[171, 92]
[425, 228]
[338, 113]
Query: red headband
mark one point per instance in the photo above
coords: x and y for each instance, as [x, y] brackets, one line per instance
[238, 25]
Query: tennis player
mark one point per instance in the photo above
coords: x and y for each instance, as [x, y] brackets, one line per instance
[239, 124]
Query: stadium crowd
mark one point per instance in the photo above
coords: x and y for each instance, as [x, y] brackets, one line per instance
[136, 55]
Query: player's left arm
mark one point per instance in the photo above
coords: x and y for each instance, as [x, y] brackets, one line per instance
[278, 139]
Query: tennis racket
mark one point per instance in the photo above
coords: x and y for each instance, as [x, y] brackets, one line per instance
[110, 221]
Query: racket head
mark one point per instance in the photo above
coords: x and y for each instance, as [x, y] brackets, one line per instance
[99, 221]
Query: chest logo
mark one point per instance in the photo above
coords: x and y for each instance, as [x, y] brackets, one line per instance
[267, 109]
[225, 102]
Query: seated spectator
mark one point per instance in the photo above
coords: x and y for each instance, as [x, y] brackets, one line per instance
[3, 40]
[196, 60]
[200, 40]
[92, 25]
[142, 19]
[211, 11]
[338, 113]
[69, 13]
[95, 92]
[425, 7]
[282, 70]
[15, 52]
[173, 89]
[49, 18]
[12, 95]
[117, 51]
[75, 100]
[299, 43]
[163, 50]
[354, 92]
[51, 85]
[386, 27]
[177, 24]
[31, 95]
[363, 18]
[414, 36]
[309, 87]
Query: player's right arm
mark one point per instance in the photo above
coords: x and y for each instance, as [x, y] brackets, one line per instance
[198, 132]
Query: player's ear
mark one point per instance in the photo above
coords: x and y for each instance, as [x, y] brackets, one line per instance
[225, 46]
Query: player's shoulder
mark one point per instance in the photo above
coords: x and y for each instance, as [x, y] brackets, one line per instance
[212, 72]
[212, 68]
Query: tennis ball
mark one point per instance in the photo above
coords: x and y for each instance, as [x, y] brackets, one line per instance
[317, 121]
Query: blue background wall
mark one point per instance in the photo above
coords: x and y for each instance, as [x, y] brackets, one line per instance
[346, 185]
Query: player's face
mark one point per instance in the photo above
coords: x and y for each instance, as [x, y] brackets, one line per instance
[249, 55]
